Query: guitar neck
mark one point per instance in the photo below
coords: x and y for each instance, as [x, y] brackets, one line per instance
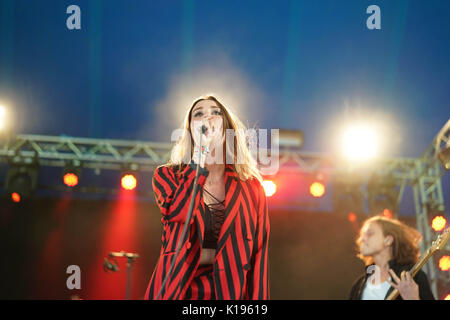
[420, 263]
[437, 245]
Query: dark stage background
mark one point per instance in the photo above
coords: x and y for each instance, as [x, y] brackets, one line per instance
[311, 253]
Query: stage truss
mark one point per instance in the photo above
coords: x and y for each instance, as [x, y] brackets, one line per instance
[422, 174]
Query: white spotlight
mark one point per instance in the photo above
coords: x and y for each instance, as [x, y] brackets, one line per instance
[2, 117]
[360, 142]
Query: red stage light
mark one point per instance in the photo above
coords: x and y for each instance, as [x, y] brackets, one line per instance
[129, 182]
[317, 189]
[70, 179]
[438, 223]
[447, 297]
[15, 197]
[269, 187]
[351, 217]
[388, 213]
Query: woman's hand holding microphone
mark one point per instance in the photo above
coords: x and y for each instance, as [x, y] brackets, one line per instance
[210, 131]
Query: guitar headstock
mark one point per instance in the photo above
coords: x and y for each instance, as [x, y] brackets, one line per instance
[441, 240]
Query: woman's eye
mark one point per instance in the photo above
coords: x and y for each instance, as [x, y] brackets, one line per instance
[198, 114]
[217, 112]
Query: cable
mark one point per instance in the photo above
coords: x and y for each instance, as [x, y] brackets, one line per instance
[188, 219]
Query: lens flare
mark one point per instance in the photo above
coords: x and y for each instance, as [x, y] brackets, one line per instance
[269, 187]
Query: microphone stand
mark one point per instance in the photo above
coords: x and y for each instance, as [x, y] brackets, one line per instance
[129, 266]
[130, 260]
[188, 218]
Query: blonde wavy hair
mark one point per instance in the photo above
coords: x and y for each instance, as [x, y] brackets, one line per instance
[246, 168]
[405, 248]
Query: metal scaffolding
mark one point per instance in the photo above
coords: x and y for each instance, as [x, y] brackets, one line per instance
[422, 174]
[428, 198]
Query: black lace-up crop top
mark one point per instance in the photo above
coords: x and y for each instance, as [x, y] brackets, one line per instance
[214, 218]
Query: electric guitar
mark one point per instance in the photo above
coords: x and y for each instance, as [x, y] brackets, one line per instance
[438, 244]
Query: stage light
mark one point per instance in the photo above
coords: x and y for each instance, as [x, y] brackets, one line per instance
[269, 187]
[351, 217]
[2, 117]
[128, 181]
[317, 189]
[444, 157]
[388, 213]
[290, 138]
[72, 173]
[447, 297]
[438, 223]
[15, 197]
[444, 263]
[21, 178]
[359, 143]
[70, 179]
[19, 186]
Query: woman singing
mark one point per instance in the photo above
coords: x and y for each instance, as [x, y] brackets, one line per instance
[224, 254]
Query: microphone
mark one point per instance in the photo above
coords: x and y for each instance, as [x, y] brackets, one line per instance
[110, 266]
[204, 129]
[124, 254]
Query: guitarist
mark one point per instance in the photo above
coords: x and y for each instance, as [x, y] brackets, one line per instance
[389, 250]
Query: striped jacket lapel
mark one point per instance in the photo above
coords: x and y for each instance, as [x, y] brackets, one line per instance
[232, 202]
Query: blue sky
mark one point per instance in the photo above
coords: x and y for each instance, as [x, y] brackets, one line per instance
[308, 65]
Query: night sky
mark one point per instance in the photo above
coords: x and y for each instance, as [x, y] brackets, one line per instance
[132, 69]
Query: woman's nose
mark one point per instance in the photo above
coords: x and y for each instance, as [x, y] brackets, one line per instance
[209, 118]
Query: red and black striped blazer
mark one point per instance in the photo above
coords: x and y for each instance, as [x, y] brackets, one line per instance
[241, 261]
